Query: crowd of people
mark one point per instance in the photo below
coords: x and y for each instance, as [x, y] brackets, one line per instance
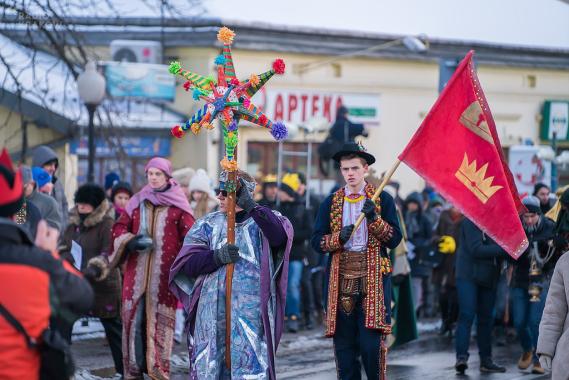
[151, 265]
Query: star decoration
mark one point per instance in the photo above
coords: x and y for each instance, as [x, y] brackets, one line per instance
[227, 99]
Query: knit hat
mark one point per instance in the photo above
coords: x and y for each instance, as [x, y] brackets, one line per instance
[200, 182]
[111, 179]
[40, 176]
[11, 187]
[292, 180]
[90, 194]
[26, 174]
[289, 190]
[270, 179]
[532, 204]
[183, 176]
[121, 187]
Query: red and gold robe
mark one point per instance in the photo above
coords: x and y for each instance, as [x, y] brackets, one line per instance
[385, 232]
[146, 283]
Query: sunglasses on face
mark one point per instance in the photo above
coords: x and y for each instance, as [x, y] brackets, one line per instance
[223, 193]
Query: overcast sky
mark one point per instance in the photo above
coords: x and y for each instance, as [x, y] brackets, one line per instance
[520, 22]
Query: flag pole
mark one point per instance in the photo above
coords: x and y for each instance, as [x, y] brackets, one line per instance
[386, 179]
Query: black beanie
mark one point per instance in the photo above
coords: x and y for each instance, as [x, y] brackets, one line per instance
[9, 207]
[90, 194]
[123, 187]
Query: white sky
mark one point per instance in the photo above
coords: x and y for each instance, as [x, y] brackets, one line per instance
[520, 22]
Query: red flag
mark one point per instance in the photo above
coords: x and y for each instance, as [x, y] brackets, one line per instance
[456, 149]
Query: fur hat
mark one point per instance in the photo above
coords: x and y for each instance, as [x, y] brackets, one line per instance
[11, 187]
[200, 182]
[90, 194]
[183, 176]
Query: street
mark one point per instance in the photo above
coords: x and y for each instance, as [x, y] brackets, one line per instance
[307, 355]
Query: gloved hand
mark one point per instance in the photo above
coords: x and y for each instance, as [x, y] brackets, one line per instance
[92, 273]
[135, 244]
[447, 244]
[369, 210]
[559, 242]
[229, 253]
[545, 361]
[244, 198]
[345, 233]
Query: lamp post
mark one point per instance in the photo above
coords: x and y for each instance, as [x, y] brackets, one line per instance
[91, 87]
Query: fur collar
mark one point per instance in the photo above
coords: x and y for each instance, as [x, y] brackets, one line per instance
[105, 209]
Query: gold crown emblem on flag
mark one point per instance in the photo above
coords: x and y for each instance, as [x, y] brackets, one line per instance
[476, 180]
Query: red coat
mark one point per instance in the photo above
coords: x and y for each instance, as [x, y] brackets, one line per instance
[146, 274]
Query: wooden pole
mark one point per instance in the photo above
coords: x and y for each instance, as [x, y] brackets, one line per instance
[231, 201]
[386, 179]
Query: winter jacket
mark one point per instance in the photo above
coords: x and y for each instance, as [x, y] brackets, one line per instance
[553, 337]
[544, 233]
[444, 275]
[94, 237]
[42, 155]
[302, 222]
[475, 247]
[36, 285]
[419, 233]
[48, 209]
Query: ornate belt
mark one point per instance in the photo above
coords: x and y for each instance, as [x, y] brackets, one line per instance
[353, 278]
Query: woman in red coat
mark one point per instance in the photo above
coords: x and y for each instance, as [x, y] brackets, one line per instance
[146, 239]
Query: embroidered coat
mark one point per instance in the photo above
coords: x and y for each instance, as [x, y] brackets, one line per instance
[146, 295]
[382, 234]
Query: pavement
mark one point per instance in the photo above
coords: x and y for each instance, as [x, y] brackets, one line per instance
[308, 355]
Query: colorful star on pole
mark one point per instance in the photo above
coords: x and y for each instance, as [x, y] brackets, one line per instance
[228, 99]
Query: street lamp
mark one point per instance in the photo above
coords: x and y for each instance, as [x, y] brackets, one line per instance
[414, 44]
[91, 87]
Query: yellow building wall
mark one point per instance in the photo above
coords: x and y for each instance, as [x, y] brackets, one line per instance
[406, 89]
[11, 138]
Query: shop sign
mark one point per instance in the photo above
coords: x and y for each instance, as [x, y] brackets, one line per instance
[555, 117]
[299, 106]
[131, 146]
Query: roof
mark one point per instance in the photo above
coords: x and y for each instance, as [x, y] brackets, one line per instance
[43, 88]
[201, 32]
[504, 22]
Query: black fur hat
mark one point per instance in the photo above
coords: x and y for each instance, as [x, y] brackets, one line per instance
[91, 194]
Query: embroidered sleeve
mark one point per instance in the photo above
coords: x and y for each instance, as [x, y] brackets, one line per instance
[331, 242]
[381, 230]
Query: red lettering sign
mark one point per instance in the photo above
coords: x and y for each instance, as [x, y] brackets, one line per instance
[315, 107]
[279, 112]
[292, 104]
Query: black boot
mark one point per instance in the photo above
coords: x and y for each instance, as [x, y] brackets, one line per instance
[308, 321]
[461, 366]
[488, 366]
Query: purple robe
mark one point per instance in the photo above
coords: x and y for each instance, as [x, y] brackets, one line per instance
[195, 263]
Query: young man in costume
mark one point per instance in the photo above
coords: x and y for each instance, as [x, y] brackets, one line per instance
[358, 313]
[262, 245]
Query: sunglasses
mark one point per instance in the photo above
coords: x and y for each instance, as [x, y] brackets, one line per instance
[223, 193]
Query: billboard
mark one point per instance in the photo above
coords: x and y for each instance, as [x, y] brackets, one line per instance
[139, 80]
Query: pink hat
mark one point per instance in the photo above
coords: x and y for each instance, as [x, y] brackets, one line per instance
[160, 163]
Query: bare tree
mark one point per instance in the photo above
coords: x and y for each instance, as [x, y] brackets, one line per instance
[53, 29]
